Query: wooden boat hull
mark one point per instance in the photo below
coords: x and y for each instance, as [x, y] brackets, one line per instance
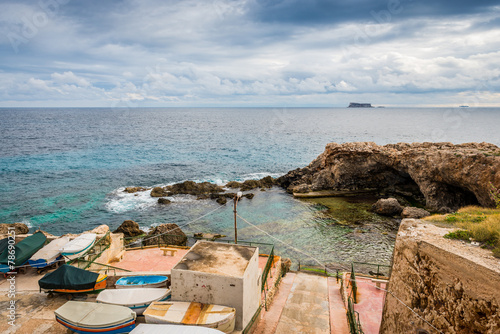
[123, 328]
[49, 254]
[144, 281]
[78, 246]
[195, 314]
[84, 317]
[165, 328]
[135, 299]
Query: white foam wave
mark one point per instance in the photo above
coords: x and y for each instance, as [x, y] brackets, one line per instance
[121, 201]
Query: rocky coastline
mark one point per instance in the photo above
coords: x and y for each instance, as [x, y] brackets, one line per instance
[439, 176]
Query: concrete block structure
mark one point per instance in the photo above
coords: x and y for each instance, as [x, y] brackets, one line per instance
[222, 274]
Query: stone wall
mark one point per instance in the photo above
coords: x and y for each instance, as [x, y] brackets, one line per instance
[451, 284]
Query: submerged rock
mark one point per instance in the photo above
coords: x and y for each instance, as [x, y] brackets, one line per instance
[163, 200]
[132, 190]
[387, 207]
[167, 234]
[129, 228]
[439, 175]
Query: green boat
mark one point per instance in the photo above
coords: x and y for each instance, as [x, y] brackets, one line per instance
[21, 253]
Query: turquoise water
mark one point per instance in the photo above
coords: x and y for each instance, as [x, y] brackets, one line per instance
[65, 169]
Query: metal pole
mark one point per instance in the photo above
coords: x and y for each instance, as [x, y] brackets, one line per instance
[235, 225]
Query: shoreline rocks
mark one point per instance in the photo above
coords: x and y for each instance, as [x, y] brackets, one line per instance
[443, 176]
[129, 228]
[169, 234]
[387, 207]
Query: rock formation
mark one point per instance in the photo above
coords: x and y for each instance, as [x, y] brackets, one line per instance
[167, 234]
[129, 228]
[20, 228]
[411, 212]
[387, 207]
[440, 175]
[451, 285]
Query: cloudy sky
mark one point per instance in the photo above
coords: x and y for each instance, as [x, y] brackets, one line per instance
[140, 53]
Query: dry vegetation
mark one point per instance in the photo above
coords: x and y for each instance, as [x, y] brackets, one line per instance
[476, 223]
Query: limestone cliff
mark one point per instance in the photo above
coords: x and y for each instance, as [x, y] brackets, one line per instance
[443, 176]
[450, 284]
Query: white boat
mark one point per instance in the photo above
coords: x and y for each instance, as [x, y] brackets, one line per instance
[136, 299]
[173, 329]
[196, 314]
[49, 254]
[79, 245]
[84, 317]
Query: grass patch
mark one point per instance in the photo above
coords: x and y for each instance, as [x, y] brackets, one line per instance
[480, 224]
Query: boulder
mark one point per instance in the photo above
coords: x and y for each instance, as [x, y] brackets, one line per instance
[233, 184]
[221, 200]
[387, 207]
[20, 228]
[249, 196]
[167, 234]
[129, 228]
[437, 175]
[163, 200]
[159, 192]
[416, 213]
[193, 188]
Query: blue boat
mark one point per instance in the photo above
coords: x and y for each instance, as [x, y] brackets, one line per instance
[143, 281]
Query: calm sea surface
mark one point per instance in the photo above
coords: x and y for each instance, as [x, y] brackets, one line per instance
[65, 169]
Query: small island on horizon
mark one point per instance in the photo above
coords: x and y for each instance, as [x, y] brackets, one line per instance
[360, 105]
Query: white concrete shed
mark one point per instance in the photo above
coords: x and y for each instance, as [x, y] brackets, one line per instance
[221, 274]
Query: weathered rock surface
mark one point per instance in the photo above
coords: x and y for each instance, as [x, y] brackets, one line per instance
[412, 212]
[159, 192]
[132, 190]
[163, 200]
[169, 234]
[129, 228]
[387, 207]
[266, 182]
[101, 229]
[451, 285]
[20, 228]
[440, 175]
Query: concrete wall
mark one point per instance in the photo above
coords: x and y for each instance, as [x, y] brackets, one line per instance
[242, 293]
[251, 293]
[115, 250]
[452, 285]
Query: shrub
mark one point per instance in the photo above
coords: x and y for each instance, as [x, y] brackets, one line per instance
[459, 234]
[495, 195]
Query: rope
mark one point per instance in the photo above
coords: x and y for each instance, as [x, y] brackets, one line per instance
[283, 242]
[178, 227]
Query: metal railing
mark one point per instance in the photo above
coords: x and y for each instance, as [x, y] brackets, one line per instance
[354, 285]
[378, 273]
[353, 318]
[267, 268]
[107, 266]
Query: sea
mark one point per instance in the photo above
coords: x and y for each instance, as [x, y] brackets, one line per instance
[64, 169]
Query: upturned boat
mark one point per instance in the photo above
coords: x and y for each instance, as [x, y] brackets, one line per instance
[84, 317]
[137, 299]
[197, 314]
[79, 245]
[172, 329]
[12, 259]
[142, 281]
[69, 279]
[49, 254]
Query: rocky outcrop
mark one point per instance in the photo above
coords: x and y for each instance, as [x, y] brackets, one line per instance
[163, 200]
[166, 234]
[387, 207]
[440, 175]
[132, 190]
[450, 284]
[129, 228]
[412, 212]
[20, 228]
[266, 182]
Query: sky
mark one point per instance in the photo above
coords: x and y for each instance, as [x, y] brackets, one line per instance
[249, 53]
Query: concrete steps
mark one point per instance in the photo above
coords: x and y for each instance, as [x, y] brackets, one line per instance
[305, 303]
